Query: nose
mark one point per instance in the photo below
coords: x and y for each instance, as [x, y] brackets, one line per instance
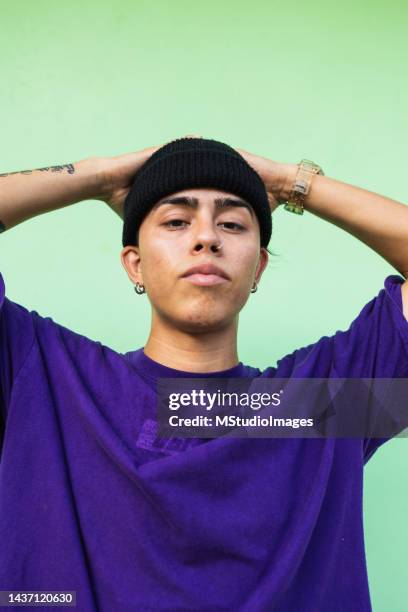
[206, 237]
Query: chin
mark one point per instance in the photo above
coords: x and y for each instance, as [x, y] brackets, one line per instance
[202, 320]
[201, 314]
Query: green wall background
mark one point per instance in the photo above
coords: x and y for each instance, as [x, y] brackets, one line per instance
[322, 80]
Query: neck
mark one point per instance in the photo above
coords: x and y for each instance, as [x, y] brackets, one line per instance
[210, 351]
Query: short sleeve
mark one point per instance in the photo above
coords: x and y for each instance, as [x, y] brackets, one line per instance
[16, 339]
[375, 345]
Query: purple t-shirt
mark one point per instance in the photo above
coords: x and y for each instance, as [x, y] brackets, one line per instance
[91, 501]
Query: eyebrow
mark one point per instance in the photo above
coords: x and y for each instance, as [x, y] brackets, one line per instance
[219, 203]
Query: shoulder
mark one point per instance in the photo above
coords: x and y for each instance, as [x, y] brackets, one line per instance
[374, 344]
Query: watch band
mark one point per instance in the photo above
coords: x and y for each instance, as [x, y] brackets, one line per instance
[301, 186]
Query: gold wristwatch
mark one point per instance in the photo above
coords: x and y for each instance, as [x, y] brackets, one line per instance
[300, 188]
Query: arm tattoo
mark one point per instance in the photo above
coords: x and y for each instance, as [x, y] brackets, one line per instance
[69, 167]
[2, 227]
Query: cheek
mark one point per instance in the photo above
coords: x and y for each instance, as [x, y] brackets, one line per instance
[159, 274]
[246, 264]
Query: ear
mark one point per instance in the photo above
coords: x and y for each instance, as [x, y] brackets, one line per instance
[130, 258]
[262, 263]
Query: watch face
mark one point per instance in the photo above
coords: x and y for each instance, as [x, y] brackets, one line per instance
[301, 186]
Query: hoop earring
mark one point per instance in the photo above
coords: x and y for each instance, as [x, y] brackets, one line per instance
[254, 287]
[139, 288]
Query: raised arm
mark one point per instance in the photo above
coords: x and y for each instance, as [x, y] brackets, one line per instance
[380, 222]
[28, 193]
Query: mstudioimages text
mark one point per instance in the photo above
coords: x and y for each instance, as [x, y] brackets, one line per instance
[238, 421]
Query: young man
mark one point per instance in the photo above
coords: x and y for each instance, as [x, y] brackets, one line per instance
[91, 500]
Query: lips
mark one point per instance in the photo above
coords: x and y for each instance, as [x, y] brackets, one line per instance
[209, 269]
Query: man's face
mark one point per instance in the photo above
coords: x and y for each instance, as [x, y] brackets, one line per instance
[182, 231]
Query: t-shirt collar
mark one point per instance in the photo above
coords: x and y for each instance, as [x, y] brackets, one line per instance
[153, 369]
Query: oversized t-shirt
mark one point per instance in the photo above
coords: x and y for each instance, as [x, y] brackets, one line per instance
[92, 501]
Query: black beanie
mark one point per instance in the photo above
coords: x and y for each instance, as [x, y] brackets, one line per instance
[186, 163]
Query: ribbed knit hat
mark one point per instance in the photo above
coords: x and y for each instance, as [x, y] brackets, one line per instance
[188, 163]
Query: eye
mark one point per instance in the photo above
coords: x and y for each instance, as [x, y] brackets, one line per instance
[169, 223]
[237, 225]
[174, 223]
